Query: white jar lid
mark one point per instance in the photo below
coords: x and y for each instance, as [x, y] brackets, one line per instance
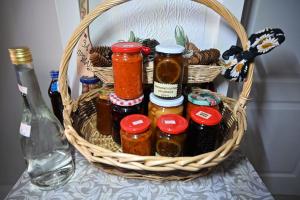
[166, 102]
[169, 48]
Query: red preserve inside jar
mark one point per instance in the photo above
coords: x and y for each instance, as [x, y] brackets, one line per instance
[136, 135]
[127, 61]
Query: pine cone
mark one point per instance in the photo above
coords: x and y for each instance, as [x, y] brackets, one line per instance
[98, 60]
[193, 47]
[194, 59]
[104, 51]
[209, 56]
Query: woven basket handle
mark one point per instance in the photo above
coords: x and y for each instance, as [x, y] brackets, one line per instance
[108, 4]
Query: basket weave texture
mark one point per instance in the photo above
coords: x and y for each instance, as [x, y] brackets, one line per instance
[104, 154]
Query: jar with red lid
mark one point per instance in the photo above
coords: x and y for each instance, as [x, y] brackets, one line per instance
[120, 109]
[127, 62]
[136, 135]
[171, 135]
[204, 130]
[202, 97]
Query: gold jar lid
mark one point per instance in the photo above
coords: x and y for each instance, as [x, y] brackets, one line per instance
[105, 91]
[20, 55]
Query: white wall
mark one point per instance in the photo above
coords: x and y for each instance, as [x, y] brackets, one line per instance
[32, 23]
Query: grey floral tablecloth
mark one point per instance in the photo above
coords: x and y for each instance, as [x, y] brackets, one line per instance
[233, 179]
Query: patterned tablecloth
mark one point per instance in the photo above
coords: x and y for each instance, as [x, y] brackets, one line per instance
[233, 179]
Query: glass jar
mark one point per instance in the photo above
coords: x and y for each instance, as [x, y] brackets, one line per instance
[158, 107]
[103, 106]
[89, 83]
[170, 135]
[168, 71]
[127, 62]
[120, 109]
[204, 129]
[136, 135]
[202, 97]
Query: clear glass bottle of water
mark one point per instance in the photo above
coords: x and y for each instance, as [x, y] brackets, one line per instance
[45, 148]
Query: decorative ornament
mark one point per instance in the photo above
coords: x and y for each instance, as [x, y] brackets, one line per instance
[237, 61]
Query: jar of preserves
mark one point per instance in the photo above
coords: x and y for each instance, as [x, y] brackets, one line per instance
[103, 106]
[168, 71]
[127, 62]
[120, 109]
[200, 98]
[89, 83]
[204, 129]
[171, 135]
[136, 135]
[158, 107]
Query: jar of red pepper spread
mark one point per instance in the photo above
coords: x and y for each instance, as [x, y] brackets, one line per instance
[136, 135]
[127, 62]
[204, 129]
[171, 135]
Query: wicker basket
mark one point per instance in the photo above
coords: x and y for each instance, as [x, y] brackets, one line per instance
[81, 132]
[193, 74]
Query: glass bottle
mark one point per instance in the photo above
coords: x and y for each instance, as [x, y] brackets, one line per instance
[55, 97]
[45, 149]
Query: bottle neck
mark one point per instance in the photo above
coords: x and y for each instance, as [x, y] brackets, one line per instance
[29, 87]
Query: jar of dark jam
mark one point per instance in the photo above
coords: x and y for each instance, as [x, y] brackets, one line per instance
[168, 71]
[120, 109]
[136, 135]
[171, 135]
[204, 130]
[103, 106]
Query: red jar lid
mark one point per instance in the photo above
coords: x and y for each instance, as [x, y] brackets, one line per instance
[122, 102]
[206, 116]
[172, 124]
[135, 123]
[126, 47]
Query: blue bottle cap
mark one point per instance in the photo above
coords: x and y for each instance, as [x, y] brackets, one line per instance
[54, 73]
[89, 80]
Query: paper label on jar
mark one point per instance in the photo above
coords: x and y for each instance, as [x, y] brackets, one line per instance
[25, 129]
[165, 90]
[137, 122]
[203, 114]
[22, 89]
[170, 122]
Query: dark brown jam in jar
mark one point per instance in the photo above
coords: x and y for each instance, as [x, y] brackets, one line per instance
[120, 109]
[171, 135]
[168, 71]
[103, 106]
[204, 130]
